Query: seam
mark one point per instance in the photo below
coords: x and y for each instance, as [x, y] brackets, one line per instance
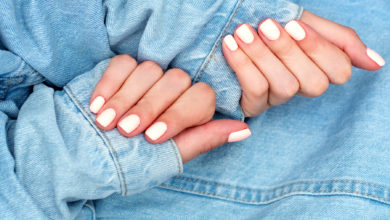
[284, 195]
[111, 149]
[190, 179]
[217, 43]
[299, 13]
[283, 187]
[178, 157]
[92, 211]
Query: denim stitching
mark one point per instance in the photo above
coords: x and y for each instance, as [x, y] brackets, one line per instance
[280, 188]
[178, 158]
[190, 179]
[288, 194]
[299, 13]
[92, 210]
[217, 43]
[104, 138]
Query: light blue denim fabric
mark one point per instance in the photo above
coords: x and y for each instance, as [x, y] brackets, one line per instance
[322, 158]
[54, 162]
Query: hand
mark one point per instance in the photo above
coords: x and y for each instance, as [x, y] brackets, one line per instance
[137, 97]
[275, 63]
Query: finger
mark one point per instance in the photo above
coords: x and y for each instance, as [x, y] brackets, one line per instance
[332, 60]
[136, 85]
[254, 86]
[283, 84]
[346, 39]
[195, 107]
[198, 140]
[162, 95]
[312, 80]
[119, 68]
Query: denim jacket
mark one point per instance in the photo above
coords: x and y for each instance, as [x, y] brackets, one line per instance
[53, 159]
[310, 158]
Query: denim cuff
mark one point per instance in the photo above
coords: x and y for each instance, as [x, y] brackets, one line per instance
[215, 71]
[139, 164]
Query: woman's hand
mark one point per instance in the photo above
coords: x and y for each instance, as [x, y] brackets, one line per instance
[137, 97]
[275, 63]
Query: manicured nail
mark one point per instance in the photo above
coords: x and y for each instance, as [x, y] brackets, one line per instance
[130, 123]
[230, 42]
[295, 30]
[106, 117]
[270, 30]
[376, 57]
[239, 135]
[245, 34]
[97, 104]
[155, 131]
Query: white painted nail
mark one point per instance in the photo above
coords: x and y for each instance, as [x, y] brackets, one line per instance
[97, 104]
[130, 123]
[376, 57]
[270, 30]
[295, 30]
[239, 135]
[155, 131]
[230, 42]
[245, 34]
[106, 117]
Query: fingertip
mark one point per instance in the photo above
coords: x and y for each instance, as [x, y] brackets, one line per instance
[239, 135]
[295, 30]
[270, 29]
[374, 56]
[96, 104]
[155, 132]
[230, 43]
[128, 125]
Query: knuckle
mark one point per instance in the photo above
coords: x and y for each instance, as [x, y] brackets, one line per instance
[125, 59]
[318, 87]
[288, 90]
[179, 77]
[343, 72]
[208, 97]
[258, 91]
[152, 68]
[284, 48]
[351, 32]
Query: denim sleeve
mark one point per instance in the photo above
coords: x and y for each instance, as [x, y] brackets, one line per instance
[53, 158]
[188, 35]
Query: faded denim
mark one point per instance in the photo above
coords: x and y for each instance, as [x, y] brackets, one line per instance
[308, 159]
[55, 163]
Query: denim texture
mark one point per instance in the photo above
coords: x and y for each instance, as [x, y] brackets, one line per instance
[54, 162]
[321, 158]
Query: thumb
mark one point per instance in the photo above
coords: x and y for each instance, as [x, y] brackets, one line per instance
[346, 39]
[198, 140]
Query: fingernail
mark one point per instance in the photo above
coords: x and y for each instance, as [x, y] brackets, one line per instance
[130, 123]
[97, 104]
[376, 57]
[230, 42]
[106, 117]
[245, 34]
[239, 135]
[270, 30]
[295, 30]
[155, 131]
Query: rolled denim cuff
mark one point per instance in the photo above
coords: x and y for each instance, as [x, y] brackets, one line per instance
[139, 164]
[215, 71]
